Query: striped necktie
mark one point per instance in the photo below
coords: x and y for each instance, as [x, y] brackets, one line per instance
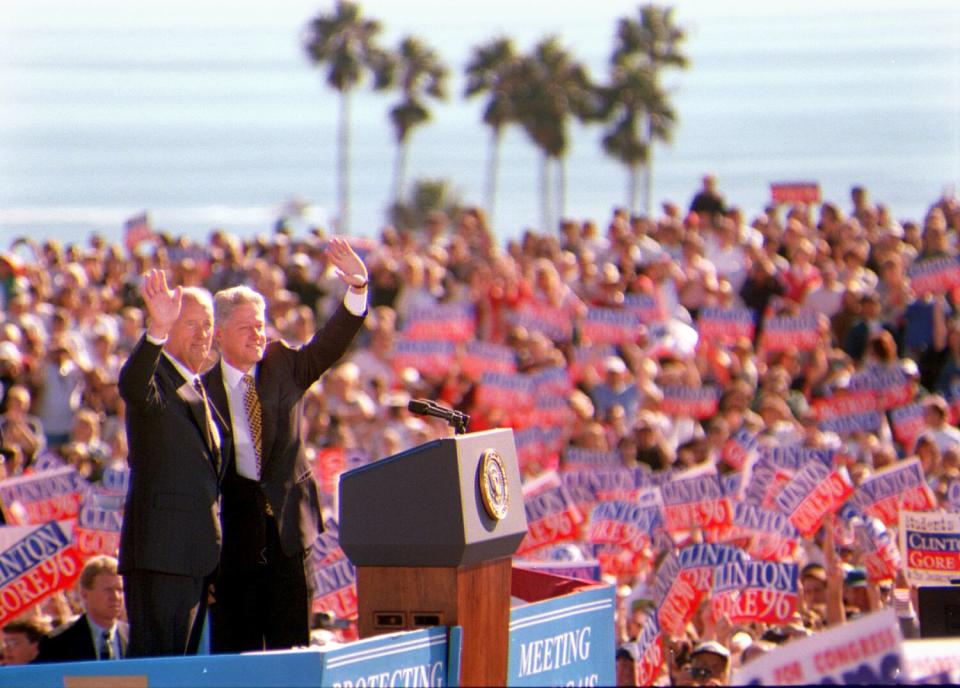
[106, 646]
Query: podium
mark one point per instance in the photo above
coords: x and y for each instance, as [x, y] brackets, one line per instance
[431, 532]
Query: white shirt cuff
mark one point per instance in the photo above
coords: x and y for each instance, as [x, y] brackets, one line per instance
[154, 340]
[356, 303]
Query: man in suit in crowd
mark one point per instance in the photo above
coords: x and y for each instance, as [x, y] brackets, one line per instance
[170, 542]
[271, 507]
[21, 640]
[98, 633]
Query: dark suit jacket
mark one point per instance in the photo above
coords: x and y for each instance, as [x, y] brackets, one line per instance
[171, 522]
[72, 642]
[283, 376]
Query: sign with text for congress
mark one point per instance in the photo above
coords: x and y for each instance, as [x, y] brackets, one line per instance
[865, 651]
[563, 641]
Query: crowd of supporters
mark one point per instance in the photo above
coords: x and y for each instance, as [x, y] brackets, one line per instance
[679, 344]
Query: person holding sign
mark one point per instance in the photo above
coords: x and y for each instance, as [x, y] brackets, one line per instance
[170, 541]
[98, 633]
[271, 508]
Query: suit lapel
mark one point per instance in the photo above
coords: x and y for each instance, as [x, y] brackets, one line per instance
[185, 390]
[220, 408]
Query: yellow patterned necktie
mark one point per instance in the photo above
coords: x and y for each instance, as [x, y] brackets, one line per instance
[251, 403]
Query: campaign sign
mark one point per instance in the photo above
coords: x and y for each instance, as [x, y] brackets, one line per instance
[796, 456]
[506, 391]
[536, 449]
[649, 651]
[795, 192]
[931, 661]
[334, 577]
[934, 275]
[889, 385]
[556, 323]
[589, 358]
[98, 528]
[691, 402]
[882, 494]
[930, 545]
[814, 492]
[694, 502]
[881, 557]
[739, 448]
[423, 354]
[585, 486]
[764, 591]
[335, 588]
[609, 326]
[564, 641]
[554, 381]
[478, 357]
[772, 536]
[552, 517]
[330, 462]
[624, 524]
[550, 410]
[763, 482]
[847, 412]
[907, 424]
[40, 497]
[865, 651]
[41, 561]
[675, 596]
[725, 325]
[698, 561]
[449, 322]
[580, 457]
[648, 308]
[115, 480]
[782, 332]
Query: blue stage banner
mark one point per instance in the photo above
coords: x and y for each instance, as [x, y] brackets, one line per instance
[564, 641]
[415, 658]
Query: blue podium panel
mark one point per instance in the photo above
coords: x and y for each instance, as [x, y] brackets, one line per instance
[564, 641]
[415, 658]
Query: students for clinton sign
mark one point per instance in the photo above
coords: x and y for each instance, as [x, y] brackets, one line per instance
[930, 544]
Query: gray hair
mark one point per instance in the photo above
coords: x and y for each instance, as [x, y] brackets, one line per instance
[198, 295]
[226, 301]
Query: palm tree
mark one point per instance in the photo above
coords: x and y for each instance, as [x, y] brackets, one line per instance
[553, 86]
[627, 102]
[346, 43]
[491, 70]
[642, 49]
[420, 74]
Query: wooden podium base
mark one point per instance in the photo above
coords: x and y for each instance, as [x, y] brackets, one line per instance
[476, 597]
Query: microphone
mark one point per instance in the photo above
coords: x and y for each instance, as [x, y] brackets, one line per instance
[425, 407]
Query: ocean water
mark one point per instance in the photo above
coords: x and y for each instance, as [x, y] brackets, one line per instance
[208, 115]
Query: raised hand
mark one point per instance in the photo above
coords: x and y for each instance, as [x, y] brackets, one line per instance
[163, 303]
[349, 267]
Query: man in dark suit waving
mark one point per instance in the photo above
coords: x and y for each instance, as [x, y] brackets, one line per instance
[170, 541]
[271, 507]
[97, 633]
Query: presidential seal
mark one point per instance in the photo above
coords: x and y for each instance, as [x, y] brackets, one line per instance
[493, 484]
